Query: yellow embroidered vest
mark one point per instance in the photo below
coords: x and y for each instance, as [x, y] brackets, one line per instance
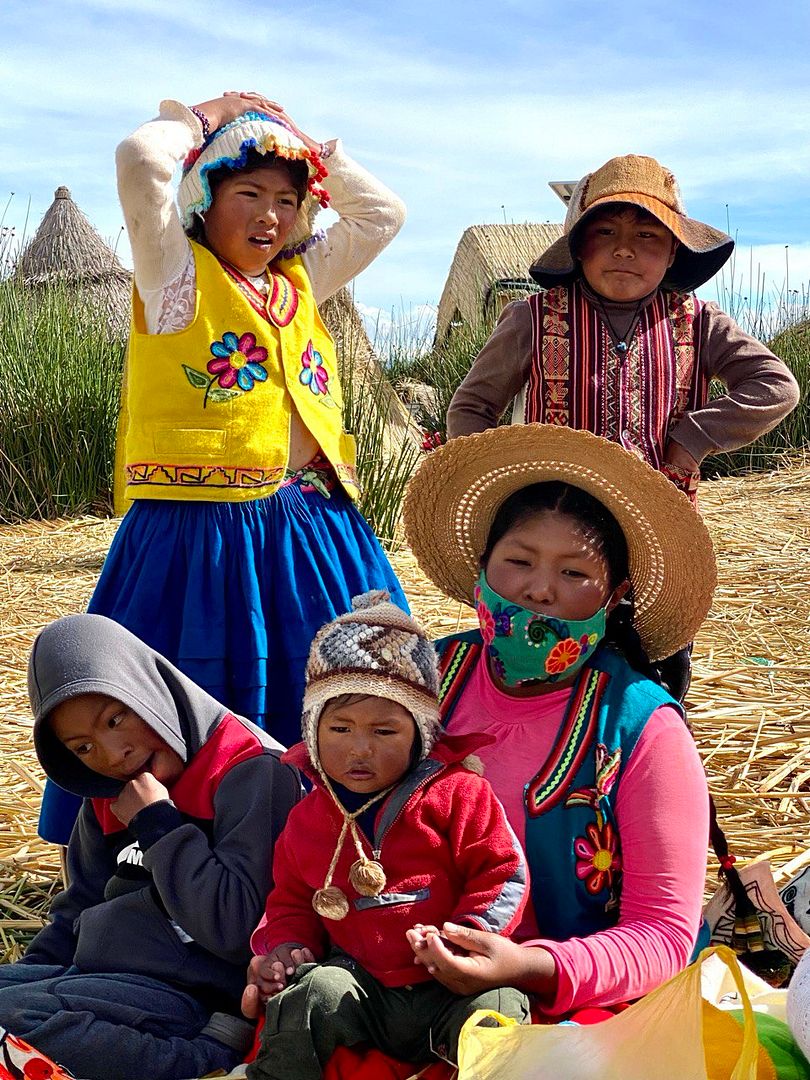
[206, 411]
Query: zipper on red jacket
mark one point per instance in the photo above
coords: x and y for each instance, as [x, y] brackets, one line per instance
[376, 852]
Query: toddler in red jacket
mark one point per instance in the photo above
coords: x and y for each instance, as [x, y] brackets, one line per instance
[399, 833]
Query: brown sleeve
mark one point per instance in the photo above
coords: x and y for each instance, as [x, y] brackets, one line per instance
[498, 373]
[760, 390]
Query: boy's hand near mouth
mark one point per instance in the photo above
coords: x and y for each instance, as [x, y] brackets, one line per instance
[142, 791]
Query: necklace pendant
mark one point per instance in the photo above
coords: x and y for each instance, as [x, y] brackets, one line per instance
[620, 347]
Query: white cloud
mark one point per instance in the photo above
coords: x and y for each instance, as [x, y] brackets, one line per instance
[467, 116]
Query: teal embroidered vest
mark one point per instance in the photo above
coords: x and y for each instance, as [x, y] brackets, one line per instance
[573, 845]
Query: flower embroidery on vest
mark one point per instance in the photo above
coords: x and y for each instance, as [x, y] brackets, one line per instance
[598, 862]
[235, 365]
[313, 373]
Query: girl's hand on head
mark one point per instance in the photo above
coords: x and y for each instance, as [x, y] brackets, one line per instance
[251, 100]
[136, 795]
[222, 110]
[486, 961]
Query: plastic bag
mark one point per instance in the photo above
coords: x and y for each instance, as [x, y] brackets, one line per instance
[672, 1034]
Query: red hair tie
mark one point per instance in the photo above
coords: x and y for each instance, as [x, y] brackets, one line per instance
[728, 861]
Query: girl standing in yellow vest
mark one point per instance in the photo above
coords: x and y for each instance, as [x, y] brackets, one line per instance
[243, 538]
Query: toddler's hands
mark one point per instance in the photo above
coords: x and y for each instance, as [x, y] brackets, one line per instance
[421, 934]
[136, 795]
[268, 975]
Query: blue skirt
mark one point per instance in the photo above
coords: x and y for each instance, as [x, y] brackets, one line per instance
[233, 593]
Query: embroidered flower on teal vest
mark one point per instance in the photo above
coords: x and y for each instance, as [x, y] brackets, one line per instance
[598, 860]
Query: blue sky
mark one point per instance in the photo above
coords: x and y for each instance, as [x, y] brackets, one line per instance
[465, 109]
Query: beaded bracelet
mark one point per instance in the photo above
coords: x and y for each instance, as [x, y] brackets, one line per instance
[206, 126]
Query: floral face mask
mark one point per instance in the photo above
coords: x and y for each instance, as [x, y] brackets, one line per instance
[525, 646]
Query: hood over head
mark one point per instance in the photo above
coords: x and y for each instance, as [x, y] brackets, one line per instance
[91, 654]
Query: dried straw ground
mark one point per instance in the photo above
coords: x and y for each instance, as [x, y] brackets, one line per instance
[749, 704]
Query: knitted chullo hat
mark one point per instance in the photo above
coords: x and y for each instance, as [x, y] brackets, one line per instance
[638, 181]
[228, 148]
[374, 649]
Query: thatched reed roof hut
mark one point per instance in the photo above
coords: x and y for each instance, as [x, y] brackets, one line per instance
[67, 249]
[490, 268]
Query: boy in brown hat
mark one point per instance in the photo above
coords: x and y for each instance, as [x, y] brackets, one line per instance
[399, 832]
[617, 343]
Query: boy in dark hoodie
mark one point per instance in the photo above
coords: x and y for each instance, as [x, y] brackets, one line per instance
[398, 835]
[140, 970]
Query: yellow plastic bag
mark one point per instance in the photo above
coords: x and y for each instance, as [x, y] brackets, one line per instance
[671, 1034]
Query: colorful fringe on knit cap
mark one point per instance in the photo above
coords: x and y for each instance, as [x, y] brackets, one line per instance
[374, 649]
[228, 147]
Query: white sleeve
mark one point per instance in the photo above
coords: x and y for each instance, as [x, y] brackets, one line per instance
[370, 217]
[146, 162]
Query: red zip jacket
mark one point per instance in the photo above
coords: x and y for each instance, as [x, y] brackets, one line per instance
[448, 852]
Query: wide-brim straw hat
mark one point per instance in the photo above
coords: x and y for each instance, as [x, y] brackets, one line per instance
[452, 500]
[228, 147]
[640, 181]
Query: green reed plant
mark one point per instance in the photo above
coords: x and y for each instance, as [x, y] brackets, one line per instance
[60, 377]
[441, 366]
[781, 319]
[388, 447]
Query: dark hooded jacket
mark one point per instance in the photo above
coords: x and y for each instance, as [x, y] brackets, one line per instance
[176, 893]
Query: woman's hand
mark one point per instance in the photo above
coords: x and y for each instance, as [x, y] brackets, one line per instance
[484, 961]
[252, 100]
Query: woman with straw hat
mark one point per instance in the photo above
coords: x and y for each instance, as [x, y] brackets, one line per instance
[584, 564]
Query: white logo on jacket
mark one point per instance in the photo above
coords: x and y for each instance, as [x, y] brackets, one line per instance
[131, 855]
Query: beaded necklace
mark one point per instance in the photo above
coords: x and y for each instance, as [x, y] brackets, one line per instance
[621, 344]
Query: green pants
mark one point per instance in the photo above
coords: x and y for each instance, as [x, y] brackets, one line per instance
[337, 1003]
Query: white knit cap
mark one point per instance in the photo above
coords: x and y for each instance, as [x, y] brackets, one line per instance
[228, 147]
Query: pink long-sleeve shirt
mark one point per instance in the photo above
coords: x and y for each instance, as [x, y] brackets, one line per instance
[662, 812]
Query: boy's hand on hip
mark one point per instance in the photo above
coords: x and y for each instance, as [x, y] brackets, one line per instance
[136, 795]
[676, 455]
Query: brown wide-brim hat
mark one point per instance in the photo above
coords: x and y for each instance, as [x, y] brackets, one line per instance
[452, 500]
[638, 181]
